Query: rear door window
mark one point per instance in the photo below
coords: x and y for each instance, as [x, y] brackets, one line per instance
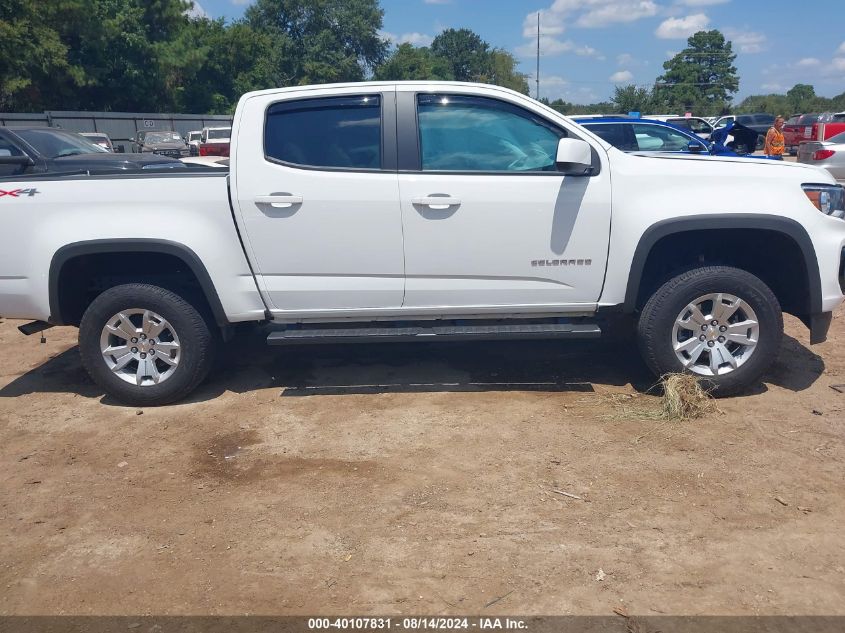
[326, 132]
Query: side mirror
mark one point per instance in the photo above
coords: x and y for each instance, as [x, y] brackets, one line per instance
[574, 157]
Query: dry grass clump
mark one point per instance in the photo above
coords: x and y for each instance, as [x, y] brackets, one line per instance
[677, 397]
[684, 398]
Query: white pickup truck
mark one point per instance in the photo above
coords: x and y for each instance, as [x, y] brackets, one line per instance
[422, 211]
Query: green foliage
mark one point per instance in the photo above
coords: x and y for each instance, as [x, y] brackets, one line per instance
[501, 71]
[328, 40]
[465, 51]
[454, 55]
[149, 55]
[408, 63]
[633, 99]
[800, 99]
[701, 78]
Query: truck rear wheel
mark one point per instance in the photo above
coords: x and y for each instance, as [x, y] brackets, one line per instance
[144, 345]
[721, 324]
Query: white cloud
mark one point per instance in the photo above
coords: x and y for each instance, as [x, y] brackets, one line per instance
[682, 28]
[551, 86]
[197, 11]
[617, 11]
[774, 87]
[702, 3]
[746, 41]
[550, 46]
[836, 66]
[841, 48]
[807, 62]
[623, 76]
[551, 23]
[416, 39]
[240, 1]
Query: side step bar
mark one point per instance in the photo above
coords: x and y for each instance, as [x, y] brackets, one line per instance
[434, 333]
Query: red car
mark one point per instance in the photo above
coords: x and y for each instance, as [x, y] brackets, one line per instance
[798, 128]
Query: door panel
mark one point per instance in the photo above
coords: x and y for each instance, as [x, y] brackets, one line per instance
[320, 212]
[515, 233]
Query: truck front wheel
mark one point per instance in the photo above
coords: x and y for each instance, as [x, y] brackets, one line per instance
[721, 324]
[144, 345]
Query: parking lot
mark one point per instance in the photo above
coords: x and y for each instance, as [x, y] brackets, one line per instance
[388, 479]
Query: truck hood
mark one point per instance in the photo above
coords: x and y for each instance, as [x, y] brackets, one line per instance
[811, 173]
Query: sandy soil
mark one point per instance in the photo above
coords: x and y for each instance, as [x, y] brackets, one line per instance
[419, 479]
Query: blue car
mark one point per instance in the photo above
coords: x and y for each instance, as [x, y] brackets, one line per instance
[648, 135]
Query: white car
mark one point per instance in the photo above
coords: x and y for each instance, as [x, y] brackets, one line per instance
[193, 140]
[419, 211]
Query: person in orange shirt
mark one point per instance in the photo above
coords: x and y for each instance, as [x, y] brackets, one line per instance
[774, 140]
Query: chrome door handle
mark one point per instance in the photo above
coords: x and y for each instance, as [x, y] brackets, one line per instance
[437, 202]
[280, 201]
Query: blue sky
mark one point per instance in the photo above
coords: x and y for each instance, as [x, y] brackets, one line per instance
[589, 46]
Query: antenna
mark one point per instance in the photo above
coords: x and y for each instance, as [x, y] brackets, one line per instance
[537, 76]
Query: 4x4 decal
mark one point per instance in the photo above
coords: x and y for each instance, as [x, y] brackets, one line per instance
[16, 193]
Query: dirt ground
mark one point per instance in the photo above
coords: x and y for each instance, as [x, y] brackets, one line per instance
[396, 479]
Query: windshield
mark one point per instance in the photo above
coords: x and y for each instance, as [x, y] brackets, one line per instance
[195, 136]
[220, 133]
[808, 119]
[56, 143]
[162, 137]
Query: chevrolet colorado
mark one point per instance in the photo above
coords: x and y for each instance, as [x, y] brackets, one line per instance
[422, 211]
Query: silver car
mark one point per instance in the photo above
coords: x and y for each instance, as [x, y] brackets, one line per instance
[829, 154]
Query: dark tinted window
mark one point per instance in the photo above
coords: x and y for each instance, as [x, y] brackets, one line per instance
[326, 132]
[808, 119]
[613, 133]
[462, 133]
[745, 119]
[764, 119]
[53, 143]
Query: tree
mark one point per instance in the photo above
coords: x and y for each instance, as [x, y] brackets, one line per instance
[411, 63]
[701, 77]
[467, 53]
[802, 98]
[33, 54]
[501, 71]
[633, 99]
[333, 40]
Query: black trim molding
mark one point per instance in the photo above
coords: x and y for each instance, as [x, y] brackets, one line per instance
[164, 247]
[778, 224]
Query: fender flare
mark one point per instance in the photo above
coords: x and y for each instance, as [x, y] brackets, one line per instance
[131, 245]
[778, 224]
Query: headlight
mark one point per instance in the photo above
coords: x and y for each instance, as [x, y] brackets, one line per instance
[829, 199]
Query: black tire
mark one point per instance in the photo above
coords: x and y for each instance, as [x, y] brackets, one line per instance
[657, 321]
[195, 338]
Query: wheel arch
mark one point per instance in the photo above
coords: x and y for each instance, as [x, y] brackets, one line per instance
[786, 228]
[77, 250]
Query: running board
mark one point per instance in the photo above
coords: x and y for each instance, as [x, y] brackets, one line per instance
[434, 333]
